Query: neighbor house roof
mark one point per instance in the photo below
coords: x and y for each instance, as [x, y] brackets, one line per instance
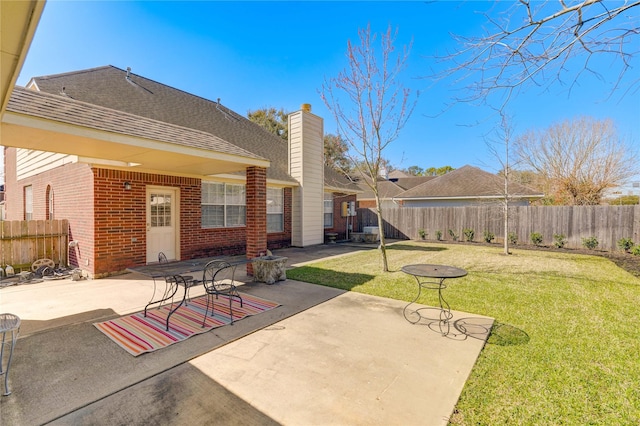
[386, 189]
[411, 181]
[121, 90]
[389, 188]
[467, 182]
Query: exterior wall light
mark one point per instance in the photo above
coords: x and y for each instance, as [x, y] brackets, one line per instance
[127, 186]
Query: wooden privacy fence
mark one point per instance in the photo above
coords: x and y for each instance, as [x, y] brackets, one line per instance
[607, 223]
[22, 242]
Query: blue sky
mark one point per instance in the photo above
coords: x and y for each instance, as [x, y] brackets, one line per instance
[258, 54]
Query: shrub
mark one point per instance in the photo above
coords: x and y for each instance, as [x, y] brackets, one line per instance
[489, 236]
[590, 242]
[625, 244]
[536, 238]
[559, 240]
[422, 233]
[469, 234]
[513, 238]
[439, 235]
[636, 250]
[453, 235]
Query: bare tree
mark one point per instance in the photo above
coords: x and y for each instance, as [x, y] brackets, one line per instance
[370, 106]
[500, 150]
[579, 160]
[536, 42]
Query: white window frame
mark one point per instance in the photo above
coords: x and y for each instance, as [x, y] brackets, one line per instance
[230, 197]
[28, 202]
[328, 209]
[275, 210]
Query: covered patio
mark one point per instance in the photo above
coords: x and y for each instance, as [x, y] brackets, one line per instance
[323, 357]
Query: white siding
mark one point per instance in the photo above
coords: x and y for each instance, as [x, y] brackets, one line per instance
[306, 165]
[30, 162]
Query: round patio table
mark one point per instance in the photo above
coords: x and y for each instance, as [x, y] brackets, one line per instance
[432, 277]
[8, 323]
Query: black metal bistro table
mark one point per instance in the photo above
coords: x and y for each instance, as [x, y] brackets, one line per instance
[173, 269]
[432, 277]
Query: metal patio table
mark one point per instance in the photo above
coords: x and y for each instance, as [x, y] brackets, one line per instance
[432, 277]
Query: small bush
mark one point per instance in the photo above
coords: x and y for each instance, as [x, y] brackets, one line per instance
[590, 242]
[636, 250]
[625, 244]
[422, 233]
[489, 236]
[559, 240]
[469, 234]
[439, 235]
[513, 238]
[536, 238]
[453, 235]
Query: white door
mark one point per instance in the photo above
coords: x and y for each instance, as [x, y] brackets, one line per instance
[161, 223]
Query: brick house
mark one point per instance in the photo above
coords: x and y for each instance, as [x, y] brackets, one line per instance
[139, 167]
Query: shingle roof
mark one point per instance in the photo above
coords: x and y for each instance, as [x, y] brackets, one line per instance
[336, 180]
[386, 189]
[465, 182]
[109, 87]
[412, 181]
[117, 89]
[66, 110]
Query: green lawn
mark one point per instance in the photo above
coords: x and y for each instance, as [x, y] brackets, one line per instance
[565, 348]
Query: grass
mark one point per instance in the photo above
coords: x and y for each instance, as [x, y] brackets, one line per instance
[565, 343]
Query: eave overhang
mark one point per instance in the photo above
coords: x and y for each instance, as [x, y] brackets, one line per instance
[18, 23]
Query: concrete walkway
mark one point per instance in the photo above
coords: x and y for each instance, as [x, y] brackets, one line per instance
[324, 357]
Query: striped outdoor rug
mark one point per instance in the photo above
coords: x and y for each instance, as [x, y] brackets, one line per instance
[138, 334]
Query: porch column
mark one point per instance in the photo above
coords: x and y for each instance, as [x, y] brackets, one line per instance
[256, 213]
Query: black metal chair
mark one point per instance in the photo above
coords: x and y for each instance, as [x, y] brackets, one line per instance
[218, 278]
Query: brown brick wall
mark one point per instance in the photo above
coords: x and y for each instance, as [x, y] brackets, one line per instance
[72, 186]
[117, 238]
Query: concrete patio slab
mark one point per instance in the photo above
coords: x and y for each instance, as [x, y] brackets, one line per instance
[323, 357]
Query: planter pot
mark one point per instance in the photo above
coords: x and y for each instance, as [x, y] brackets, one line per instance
[269, 269]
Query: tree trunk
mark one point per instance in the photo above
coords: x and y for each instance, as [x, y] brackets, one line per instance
[383, 247]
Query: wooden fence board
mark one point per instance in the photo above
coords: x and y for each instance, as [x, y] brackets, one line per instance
[24, 242]
[607, 223]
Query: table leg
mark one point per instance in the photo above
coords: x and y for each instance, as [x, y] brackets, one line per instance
[171, 287]
[445, 311]
[444, 314]
[182, 302]
[7, 392]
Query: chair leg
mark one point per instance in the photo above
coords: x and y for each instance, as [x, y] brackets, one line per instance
[206, 311]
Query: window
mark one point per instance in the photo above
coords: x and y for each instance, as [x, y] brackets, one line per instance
[160, 210]
[50, 203]
[275, 210]
[223, 205]
[28, 202]
[328, 210]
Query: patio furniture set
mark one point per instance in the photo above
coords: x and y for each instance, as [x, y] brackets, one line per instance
[218, 278]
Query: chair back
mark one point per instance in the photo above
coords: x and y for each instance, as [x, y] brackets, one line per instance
[217, 275]
[162, 258]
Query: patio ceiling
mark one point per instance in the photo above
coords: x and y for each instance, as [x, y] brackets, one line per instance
[18, 22]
